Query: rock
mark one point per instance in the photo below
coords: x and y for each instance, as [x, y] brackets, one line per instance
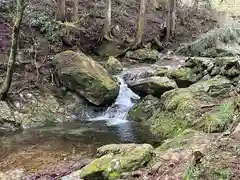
[162, 71]
[144, 55]
[184, 77]
[144, 109]
[236, 133]
[86, 77]
[115, 160]
[8, 123]
[216, 86]
[194, 107]
[12, 174]
[138, 73]
[113, 66]
[155, 86]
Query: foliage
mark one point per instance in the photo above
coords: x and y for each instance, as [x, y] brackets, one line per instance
[46, 25]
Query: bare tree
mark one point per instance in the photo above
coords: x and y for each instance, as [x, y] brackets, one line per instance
[171, 19]
[140, 28]
[14, 49]
[61, 10]
[75, 11]
[107, 22]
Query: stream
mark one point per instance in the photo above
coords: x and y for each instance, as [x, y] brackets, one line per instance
[41, 148]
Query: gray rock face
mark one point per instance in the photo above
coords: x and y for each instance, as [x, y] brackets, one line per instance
[144, 55]
[155, 86]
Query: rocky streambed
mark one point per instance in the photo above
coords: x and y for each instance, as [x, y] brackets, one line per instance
[176, 118]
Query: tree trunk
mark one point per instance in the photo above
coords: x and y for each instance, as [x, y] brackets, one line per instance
[171, 19]
[75, 11]
[107, 21]
[140, 28]
[14, 48]
[61, 10]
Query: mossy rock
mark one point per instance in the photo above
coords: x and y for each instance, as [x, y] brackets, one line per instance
[144, 109]
[183, 76]
[144, 55]
[194, 107]
[216, 86]
[162, 71]
[218, 119]
[116, 159]
[113, 66]
[155, 86]
[87, 77]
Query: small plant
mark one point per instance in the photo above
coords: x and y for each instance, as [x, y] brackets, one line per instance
[192, 173]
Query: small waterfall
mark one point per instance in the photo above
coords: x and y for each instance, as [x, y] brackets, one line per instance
[117, 112]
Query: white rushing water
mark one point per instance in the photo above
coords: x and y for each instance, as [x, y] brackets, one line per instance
[115, 115]
[117, 112]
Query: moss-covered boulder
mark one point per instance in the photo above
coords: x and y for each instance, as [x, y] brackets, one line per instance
[155, 86]
[114, 160]
[216, 86]
[195, 107]
[184, 77]
[113, 66]
[144, 109]
[87, 77]
[144, 55]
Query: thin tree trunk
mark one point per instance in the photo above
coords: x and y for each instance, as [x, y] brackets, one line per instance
[14, 48]
[140, 28]
[61, 10]
[75, 11]
[171, 19]
[107, 21]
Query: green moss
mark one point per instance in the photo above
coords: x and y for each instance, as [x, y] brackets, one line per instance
[218, 119]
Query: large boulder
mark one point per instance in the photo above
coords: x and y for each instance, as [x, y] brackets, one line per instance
[195, 107]
[87, 77]
[144, 55]
[155, 86]
[138, 73]
[144, 109]
[113, 66]
[114, 160]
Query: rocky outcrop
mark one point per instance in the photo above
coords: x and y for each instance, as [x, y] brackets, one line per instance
[114, 159]
[155, 86]
[113, 66]
[87, 77]
[144, 55]
[144, 109]
[194, 107]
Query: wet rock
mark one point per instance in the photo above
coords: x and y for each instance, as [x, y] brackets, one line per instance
[155, 86]
[138, 73]
[87, 77]
[144, 109]
[184, 77]
[115, 160]
[113, 66]
[144, 55]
